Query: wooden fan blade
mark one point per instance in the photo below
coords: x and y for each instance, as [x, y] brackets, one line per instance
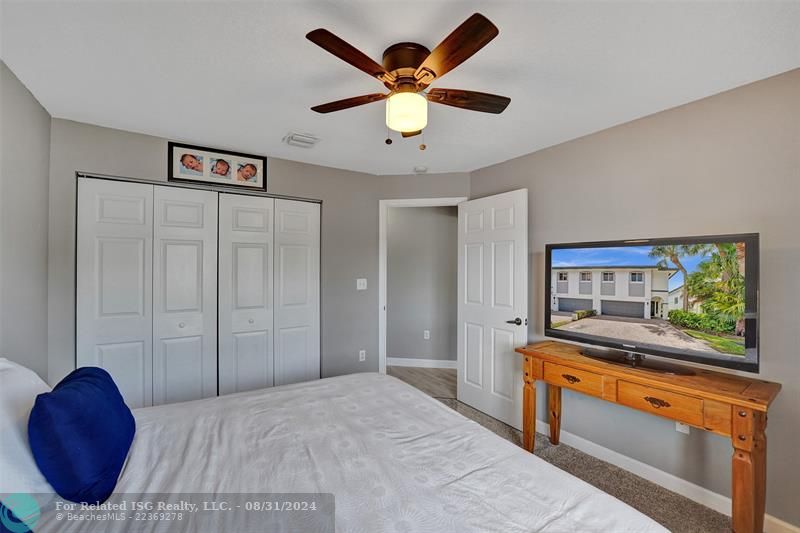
[349, 53]
[471, 36]
[347, 103]
[473, 100]
[410, 133]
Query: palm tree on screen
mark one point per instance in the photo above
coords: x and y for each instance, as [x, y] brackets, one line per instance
[673, 253]
[719, 284]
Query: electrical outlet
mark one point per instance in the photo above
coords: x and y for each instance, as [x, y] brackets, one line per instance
[682, 428]
[426, 334]
[362, 355]
[361, 284]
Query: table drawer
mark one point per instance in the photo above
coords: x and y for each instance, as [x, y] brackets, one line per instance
[572, 378]
[687, 409]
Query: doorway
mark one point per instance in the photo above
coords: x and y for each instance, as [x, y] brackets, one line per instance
[423, 269]
[492, 298]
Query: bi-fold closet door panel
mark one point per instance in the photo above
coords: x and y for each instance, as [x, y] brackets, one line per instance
[184, 295]
[114, 311]
[268, 292]
[297, 287]
[153, 309]
[246, 239]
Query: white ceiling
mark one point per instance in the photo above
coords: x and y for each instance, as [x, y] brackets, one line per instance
[240, 75]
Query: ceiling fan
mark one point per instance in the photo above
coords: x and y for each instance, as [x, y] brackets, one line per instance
[407, 71]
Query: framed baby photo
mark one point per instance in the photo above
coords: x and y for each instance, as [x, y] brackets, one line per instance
[198, 164]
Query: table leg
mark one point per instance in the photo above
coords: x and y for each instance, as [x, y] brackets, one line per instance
[554, 407]
[529, 412]
[749, 470]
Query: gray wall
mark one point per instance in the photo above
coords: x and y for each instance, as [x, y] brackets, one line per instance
[726, 164]
[25, 155]
[349, 233]
[422, 282]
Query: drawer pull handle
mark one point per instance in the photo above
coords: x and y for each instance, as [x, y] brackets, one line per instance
[571, 379]
[658, 403]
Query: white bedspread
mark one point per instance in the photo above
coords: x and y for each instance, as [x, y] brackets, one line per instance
[395, 459]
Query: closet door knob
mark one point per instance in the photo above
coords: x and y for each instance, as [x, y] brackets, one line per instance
[251, 321]
[182, 325]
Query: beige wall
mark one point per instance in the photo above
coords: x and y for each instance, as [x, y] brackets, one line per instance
[24, 151]
[726, 164]
[349, 233]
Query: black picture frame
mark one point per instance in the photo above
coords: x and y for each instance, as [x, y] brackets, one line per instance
[749, 363]
[207, 173]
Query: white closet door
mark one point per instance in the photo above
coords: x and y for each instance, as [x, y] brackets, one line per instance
[297, 331]
[245, 292]
[114, 275]
[184, 294]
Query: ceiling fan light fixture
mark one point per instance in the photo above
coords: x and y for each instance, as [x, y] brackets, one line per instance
[407, 111]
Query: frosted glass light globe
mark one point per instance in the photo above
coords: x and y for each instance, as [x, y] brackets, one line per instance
[406, 112]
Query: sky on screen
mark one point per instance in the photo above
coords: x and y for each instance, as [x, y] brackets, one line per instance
[620, 256]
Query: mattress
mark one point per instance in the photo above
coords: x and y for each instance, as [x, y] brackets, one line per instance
[393, 458]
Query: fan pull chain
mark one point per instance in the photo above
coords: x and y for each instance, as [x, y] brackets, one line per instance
[388, 132]
[423, 146]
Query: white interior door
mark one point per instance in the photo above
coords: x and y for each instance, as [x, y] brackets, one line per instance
[493, 303]
[297, 330]
[185, 295]
[114, 284]
[245, 292]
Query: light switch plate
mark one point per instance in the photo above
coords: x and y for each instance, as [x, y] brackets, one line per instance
[361, 284]
[362, 355]
[682, 428]
[426, 334]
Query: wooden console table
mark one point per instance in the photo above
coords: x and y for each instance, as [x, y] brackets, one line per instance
[725, 404]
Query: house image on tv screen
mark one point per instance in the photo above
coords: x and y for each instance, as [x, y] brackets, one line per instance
[676, 301]
[625, 291]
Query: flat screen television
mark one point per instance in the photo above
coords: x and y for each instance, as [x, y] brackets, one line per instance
[687, 298]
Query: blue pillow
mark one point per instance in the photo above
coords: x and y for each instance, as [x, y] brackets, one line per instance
[80, 434]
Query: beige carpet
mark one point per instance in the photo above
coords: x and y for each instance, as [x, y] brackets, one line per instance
[673, 511]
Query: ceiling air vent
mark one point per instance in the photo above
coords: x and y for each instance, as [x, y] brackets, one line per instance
[303, 140]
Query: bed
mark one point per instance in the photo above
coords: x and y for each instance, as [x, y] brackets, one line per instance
[394, 458]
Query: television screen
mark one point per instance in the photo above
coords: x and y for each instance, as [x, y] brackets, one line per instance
[690, 298]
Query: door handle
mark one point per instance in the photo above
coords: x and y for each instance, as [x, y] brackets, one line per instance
[517, 321]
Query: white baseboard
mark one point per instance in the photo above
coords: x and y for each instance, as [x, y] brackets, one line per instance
[776, 525]
[422, 363]
[694, 492]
